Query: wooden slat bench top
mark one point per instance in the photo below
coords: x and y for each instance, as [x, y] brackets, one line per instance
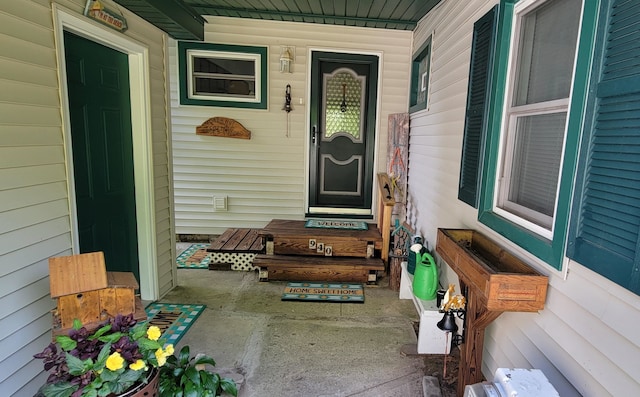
[238, 240]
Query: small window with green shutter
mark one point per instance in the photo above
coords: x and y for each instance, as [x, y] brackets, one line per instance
[475, 126]
[420, 77]
[605, 228]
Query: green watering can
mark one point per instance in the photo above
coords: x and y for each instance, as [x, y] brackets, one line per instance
[425, 278]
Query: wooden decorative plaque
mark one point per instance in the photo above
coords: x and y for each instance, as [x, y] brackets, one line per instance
[224, 127]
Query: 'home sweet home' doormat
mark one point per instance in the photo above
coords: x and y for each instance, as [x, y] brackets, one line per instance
[324, 292]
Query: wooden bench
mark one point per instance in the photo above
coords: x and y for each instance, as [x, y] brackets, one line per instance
[235, 249]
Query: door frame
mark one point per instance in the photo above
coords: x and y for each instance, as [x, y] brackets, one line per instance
[376, 144]
[138, 57]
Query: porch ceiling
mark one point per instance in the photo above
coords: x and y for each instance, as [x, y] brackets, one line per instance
[184, 19]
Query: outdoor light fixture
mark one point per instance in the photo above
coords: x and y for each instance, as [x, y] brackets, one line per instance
[286, 59]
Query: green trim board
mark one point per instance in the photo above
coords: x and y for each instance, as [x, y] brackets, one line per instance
[174, 320]
[329, 224]
[324, 292]
[183, 262]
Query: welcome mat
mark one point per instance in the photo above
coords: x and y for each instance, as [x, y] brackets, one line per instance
[323, 224]
[174, 320]
[324, 292]
[194, 257]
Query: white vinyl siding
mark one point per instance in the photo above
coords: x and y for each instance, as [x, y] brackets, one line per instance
[265, 177]
[34, 206]
[585, 340]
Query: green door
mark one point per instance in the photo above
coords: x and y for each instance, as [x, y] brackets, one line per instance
[102, 144]
[342, 133]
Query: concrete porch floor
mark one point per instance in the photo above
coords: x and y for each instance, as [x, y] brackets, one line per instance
[275, 348]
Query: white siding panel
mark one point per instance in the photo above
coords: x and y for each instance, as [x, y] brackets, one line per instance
[32, 331]
[29, 114]
[21, 92]
[31, 195]
[26, 275]
[26, 236]
[24, 51]
[12, 70]
[27, 378]
[29, 156]
[22, 135]
[24, 29]
[32, 215]
[265, 177]
[28, 10]
[585, 340]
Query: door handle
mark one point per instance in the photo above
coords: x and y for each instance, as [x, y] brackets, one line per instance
[314, 137]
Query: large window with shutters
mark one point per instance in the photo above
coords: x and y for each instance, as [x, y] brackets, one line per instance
[536, 105]
[535, 114]
[605, 227]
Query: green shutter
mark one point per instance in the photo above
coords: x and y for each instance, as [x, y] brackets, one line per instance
[605, 231]
[475, 127]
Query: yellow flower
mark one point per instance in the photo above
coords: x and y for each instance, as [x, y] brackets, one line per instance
[153, 333]
[138, 365]
[161, 357]
[115, 361]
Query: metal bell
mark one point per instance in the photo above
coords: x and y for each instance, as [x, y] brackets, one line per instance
[448, 323]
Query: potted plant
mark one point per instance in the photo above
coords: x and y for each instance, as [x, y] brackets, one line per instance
[108, 361]
[186, 376]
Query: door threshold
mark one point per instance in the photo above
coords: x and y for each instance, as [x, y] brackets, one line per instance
[339, 216]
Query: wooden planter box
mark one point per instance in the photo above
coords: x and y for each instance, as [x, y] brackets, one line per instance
[501, 280]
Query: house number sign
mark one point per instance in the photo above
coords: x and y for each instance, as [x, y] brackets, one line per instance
[106, 16]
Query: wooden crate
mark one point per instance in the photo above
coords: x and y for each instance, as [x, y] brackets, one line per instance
[501, 280]
[139, 315]
[99, 305]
